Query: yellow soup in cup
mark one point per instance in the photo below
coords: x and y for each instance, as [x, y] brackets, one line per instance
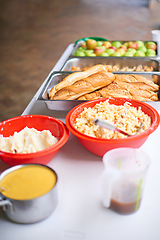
[28, 182]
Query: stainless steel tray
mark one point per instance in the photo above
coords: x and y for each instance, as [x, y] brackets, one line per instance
[66, 105]
[60, 105]
[119, 61]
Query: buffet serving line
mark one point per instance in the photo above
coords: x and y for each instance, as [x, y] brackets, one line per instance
[79, 214]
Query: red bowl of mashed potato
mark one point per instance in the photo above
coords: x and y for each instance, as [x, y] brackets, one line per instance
[125, 114]
[31, 139]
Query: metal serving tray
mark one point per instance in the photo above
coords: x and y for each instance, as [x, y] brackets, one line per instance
[60, 105]
[119, 61]
[66, 105]
[78, 44]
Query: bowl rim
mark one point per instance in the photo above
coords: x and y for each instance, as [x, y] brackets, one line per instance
[45, 151]
[146, 133]
[22, 165]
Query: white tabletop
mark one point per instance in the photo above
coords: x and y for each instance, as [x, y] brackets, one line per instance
[80, 214]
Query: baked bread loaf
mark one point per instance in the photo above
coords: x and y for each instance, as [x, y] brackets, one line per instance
[74, 77]
[85, 85]
[129, 86]
[134, 78]
[136, 89]
[112, 90]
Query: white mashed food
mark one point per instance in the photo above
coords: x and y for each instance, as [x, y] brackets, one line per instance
[28, 140]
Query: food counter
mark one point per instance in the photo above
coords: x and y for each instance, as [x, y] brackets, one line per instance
[80, 214]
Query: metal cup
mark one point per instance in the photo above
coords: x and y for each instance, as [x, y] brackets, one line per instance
[33, 210]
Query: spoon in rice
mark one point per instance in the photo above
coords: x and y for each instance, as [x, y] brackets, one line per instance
[110, 126]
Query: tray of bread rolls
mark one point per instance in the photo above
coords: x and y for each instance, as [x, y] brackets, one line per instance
[115, 64]
[64, 90]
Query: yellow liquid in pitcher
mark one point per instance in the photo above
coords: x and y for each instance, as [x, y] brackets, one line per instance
[28, 182]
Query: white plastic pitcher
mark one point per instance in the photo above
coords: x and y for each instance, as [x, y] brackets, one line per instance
[156, 38]
[123, 179]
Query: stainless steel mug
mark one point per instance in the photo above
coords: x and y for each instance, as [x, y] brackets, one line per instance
[33, 210]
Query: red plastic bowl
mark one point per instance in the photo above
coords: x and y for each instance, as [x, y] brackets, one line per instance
[101, 146]
[39, 122]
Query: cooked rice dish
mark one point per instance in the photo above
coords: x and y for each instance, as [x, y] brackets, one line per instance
[125, 117]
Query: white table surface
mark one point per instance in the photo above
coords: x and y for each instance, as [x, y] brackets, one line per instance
[80, 214]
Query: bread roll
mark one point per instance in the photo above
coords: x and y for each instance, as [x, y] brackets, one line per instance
[125, 78]
[85, 85]
[135, 89]
[112, 90]
[127, 86]
[140, 98]
[72, 78]
[148, 84]
[91, 96]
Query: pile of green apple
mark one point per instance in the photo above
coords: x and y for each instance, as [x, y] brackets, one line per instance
[93, 48]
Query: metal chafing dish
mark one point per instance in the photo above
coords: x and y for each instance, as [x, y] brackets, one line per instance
[66, 105]
[120, 62]
[62, 105]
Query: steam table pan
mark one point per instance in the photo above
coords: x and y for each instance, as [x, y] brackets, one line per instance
[60, 105]
[67, 105]
[121, 62]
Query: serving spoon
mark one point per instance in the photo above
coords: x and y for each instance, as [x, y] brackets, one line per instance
[111, 126]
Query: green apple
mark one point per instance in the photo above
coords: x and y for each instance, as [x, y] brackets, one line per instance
[116, 54]
[103, 47]
[99, 43]
[139, 54]
[140, 43]
[81, 49]
[104, 54]
[116, 44]
[92, 55]
[79, 53]
[89, 52]
[128, 54]
[150, 53]
[132, 50]
[143, 49]
[110, 51]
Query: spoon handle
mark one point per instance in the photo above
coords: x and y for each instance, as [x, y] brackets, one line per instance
[110, 126]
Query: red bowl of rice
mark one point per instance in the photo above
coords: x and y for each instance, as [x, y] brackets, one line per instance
[99, 145]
